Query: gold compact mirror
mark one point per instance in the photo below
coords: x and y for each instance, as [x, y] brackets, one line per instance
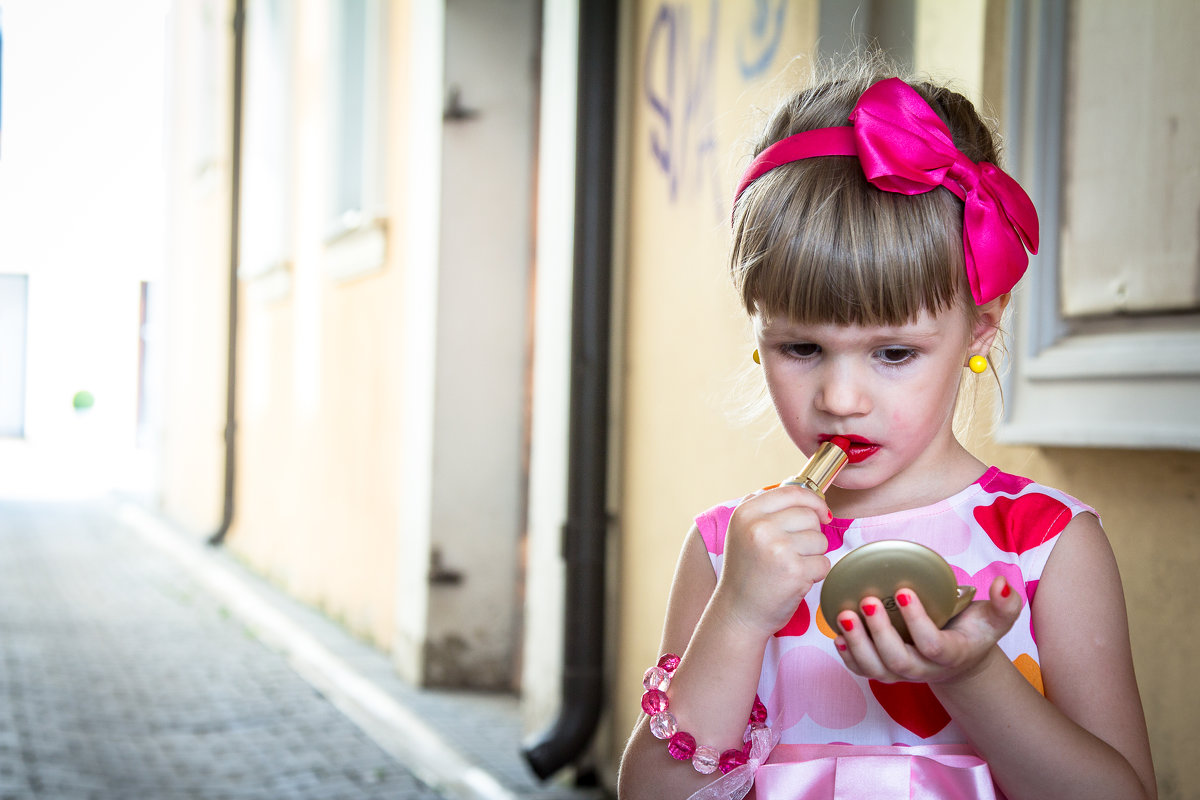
[881, 569]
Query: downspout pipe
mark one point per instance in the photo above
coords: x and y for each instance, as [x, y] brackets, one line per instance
[235, 203]
[586, 527]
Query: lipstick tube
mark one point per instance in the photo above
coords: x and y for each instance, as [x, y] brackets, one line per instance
[823, 467]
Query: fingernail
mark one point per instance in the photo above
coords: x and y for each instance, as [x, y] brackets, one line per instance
[847, 625]
[842, 646]
[1005, 590]
[829, 518]
[902, 598]
[869, 609]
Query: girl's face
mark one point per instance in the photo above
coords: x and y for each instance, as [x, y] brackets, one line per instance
[890, 390]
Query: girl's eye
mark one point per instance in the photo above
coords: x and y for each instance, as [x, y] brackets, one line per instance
[802, 350]
[893, 356]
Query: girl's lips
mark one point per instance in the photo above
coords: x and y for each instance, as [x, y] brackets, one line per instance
[859, 449]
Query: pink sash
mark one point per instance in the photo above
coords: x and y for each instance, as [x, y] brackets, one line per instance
[851, 772]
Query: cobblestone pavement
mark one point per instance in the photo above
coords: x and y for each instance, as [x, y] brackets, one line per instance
[121, 679]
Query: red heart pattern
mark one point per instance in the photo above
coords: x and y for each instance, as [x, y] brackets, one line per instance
[1018, 525]
[913, 705]
[799, 622]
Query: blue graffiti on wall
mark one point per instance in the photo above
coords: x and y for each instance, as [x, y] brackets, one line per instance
[678, 83]
[759, 42]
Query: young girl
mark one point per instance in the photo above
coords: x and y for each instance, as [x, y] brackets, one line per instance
[875, 246]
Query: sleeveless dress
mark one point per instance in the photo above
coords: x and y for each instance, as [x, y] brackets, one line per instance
[1001, 524]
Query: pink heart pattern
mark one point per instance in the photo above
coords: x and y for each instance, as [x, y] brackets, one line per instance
[948, 536]
[839, 704]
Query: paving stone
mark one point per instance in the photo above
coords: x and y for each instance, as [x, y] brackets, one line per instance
[120, 679]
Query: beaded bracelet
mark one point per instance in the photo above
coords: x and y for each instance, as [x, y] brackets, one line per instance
[681, 744]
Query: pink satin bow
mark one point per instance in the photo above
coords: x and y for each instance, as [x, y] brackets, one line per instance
[905, 147]
[848, 772]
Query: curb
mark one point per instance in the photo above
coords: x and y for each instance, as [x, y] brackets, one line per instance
[414, 743]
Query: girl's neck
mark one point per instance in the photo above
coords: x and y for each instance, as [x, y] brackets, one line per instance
[915, 488]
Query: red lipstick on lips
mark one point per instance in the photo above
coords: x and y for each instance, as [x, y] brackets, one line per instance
[856, 447]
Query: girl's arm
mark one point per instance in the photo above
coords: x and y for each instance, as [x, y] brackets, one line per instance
[1088, 737]
[708, 692]
[774, 553]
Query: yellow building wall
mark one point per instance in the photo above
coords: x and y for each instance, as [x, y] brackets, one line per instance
[687, 357]
[196, 294]
[320, 394]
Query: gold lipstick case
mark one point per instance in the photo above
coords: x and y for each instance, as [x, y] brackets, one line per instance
[881, 569]
[821, 469]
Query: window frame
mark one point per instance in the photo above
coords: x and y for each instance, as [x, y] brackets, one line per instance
[1123, 381]
[356, 239]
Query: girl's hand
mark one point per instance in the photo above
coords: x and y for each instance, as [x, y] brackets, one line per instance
[871, 647]
[774, 553]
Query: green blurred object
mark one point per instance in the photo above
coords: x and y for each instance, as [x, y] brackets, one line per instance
[83, 400]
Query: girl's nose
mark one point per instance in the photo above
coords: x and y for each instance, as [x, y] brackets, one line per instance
[842, 393]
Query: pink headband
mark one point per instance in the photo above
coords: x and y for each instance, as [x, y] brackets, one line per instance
[904, 147]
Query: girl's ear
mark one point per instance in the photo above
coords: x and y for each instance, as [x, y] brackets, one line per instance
[987, 324]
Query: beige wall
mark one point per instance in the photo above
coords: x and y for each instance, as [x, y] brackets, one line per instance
[320, 358]
[1149, 502]
[382, 385]
[196, 286]
[687, 343]
[320, 392]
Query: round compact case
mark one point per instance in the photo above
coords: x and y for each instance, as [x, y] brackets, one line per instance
[881, 569]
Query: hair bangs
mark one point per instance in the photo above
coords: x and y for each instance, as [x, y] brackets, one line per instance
[816, 243]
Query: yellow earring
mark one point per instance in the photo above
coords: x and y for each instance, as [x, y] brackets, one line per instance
[977, 364]
[754, 356]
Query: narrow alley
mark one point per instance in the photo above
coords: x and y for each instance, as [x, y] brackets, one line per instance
[121, 678]
[122, 675]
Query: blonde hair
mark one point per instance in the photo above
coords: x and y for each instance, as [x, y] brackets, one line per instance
[813, 241]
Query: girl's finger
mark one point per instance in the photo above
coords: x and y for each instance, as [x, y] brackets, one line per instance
[847, 657]
[894, 655]
[925, 635]
[860, 648]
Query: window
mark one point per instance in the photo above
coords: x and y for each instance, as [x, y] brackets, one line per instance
[14, 317]
[357, 105]
[1104, 131]
[268, 144]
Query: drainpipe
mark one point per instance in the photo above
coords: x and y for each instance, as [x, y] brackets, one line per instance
[235, 189]
[585, 531]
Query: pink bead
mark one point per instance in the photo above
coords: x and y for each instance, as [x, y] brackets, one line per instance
[758, 714]
[706, 759]
[657, 678]
[669, 662]
[682, 746]
[731, 760]
[663, 725]
[655, 701]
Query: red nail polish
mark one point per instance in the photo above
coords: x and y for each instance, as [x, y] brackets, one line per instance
[869, 609]
[847, 625]
[902, 598]
[841, 646]
[1005, 590]
[829, 518]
